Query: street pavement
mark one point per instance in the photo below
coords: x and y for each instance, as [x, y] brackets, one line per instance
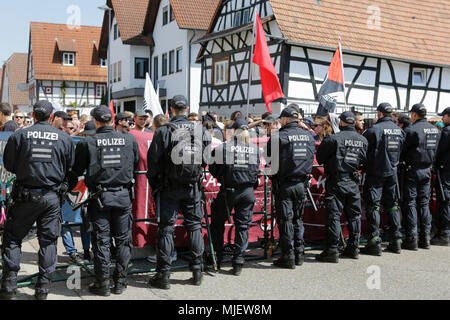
[424, 274]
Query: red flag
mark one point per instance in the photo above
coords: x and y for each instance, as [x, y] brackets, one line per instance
[111, 107]
[269, 77]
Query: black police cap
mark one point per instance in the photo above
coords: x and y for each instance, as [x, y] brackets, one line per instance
[385, 107]
[43, 108]
[101, 114]
[289, 112]
[348, 117]
[62, 114]
[443, 113]
[179, 102]
[239, 123]
[419, 108]
[89, 128]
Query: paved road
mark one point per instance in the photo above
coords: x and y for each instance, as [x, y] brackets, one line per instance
[424, 274]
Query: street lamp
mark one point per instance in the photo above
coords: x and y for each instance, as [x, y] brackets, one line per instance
[106, 8]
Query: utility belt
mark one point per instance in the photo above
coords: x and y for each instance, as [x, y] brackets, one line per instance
[342, 176]
[23, 194]
[299, 179]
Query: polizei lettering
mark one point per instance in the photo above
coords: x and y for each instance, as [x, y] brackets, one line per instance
[354, 143]
[431, 130]
[243, 149]
[298, 138]
[110, 142]
[42, 135]
[396, 132]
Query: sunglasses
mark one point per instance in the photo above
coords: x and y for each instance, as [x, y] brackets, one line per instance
[71, 128]
[19, 117]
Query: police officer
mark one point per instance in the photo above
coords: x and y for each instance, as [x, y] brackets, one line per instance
[443, 165]
[418, 153]
[110, 160]
[236, 168]
[290, 166]
[40, 156]
[383, 156]
[342, 154]
[175, 161]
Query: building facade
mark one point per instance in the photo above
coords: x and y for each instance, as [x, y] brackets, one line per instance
[382, 63]
[13, 79]
[64, 66]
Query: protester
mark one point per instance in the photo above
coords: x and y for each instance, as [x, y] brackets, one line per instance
[122, 122]
[6, 122]
[140, 119]
[60, 121]
[149, 122]
[193, 117]
[159, 121]
[19, 118]
[359, 124]
[322, 127]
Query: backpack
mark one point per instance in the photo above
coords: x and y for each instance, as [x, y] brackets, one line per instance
[184, 154]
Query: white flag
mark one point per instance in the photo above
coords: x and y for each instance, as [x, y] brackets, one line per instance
[151, 100]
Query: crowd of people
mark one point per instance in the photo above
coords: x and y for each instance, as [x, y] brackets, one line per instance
[398, 154]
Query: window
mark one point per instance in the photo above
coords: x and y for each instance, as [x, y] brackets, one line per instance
[179, 59]
[237, 19]
[115, 72]
[68, 59]
[103, 63]
[419, 77]
[119, 71]
[164, 64]
[100, 90]
[171, 61]
[155, 71]
[171, 14]
[111, 73]
[140, 68]
[241, 17]
[221, 71]
[245, 16]
[165, 15]
[116, 31]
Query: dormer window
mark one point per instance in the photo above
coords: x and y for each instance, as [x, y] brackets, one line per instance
[68, 59]
[103, 63]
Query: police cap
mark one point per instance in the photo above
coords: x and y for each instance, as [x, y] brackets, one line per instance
[446, 111]
[43, 108]
[289, 112]
[419, 108]
[348, 117]
[385, 107]
[239, 123]
[179, 102]
[101, 114]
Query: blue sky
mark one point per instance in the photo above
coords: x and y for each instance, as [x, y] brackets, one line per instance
[15, 17]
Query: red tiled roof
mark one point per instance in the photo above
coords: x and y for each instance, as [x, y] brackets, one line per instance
[194, 14]
[414, 30]
[16, 71]
[47, 57]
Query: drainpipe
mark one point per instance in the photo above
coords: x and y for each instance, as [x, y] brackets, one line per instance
[189, 69]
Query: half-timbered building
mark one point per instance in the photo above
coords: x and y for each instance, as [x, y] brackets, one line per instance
[396, 52]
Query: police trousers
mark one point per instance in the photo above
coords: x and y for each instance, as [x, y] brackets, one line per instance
[342, 195]
[113, 220]
[186, 199]
[417, 197]
[443, 222]
[242, 200]
[46, 212]
[377, 190]
[289, 204]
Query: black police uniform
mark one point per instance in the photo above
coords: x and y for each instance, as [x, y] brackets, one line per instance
[295, 159]
[176, 194]
[342, 153]
[443, 165]
[110, 160]
[40, 156]
[383, 155]
[418, 153]
[236, 168]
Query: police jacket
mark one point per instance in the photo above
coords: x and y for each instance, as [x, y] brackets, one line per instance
[295, 155]
[443, 151]
[161, 167]
[236, 164]
[421, 142]
[109, 158]
[40, 156]
[385, 143]
[342, 152]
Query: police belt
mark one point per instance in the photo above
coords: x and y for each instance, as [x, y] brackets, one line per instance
[299, 179]
[339, 176]
[114, 189]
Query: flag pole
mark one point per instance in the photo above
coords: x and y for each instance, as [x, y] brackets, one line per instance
[250, 71]
[343, 75]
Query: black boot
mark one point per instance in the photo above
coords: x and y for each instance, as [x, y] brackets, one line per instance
[100, 288]
[424, 242]
[441, 241]
[395, 246]
[119, 287]
[328, 255]
[351, 252]
[160, 281]
[299, 258]
[373, 247]
[410, 244]
[41, 293]
[7, 294]
[9, 286]
[284, 262]
[197, 277]
[237, 269]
